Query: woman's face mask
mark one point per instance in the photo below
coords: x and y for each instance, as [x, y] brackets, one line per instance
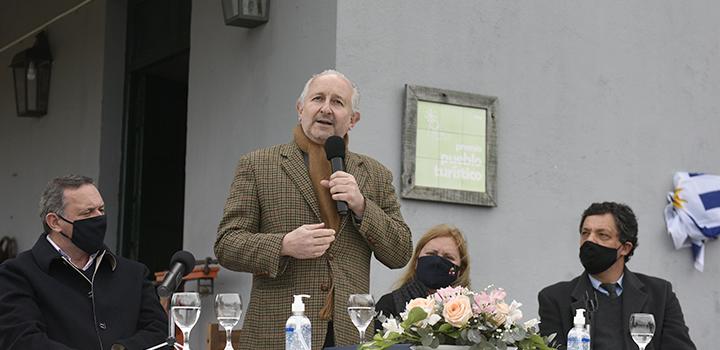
[436, 272]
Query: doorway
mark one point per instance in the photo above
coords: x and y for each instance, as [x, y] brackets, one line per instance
[155, 125]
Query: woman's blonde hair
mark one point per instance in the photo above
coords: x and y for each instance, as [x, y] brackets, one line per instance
[442, 230]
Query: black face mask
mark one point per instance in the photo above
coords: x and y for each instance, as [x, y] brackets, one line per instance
[88, 234]
[596, 258]
[436, 272]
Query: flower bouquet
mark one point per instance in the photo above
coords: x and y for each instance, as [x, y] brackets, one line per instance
[459, 316]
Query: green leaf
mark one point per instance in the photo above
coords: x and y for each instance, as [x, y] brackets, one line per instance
[435, 343]
[415, 315]
[427, 339]
[474, 336]
[445, 328]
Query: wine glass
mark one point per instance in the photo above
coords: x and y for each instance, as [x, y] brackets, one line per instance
[642, 328]
[186, 311]
[228, 308]
[361, 308]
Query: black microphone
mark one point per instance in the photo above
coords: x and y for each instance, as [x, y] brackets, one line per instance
[335, 151]
[181, 264]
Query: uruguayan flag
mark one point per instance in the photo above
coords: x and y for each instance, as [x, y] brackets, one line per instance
[693, 215]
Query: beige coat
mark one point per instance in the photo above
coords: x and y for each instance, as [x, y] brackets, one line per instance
[270, 196]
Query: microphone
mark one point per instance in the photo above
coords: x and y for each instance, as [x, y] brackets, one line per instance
[335, 151]
[591, 305]
[181, 264]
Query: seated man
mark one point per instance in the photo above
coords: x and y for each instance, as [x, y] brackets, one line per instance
[608, 237]
[69, 291]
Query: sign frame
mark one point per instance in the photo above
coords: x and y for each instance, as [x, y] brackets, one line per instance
[409, 187]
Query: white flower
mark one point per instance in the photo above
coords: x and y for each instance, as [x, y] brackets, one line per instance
[391, 325]
[515, 314]
[508, 314]
[433, 319]
[531, 324]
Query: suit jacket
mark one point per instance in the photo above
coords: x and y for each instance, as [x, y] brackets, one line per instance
[641, 293]
[47, 304]
[270, 196]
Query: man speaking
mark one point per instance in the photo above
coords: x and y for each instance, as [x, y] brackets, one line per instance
[281, 222]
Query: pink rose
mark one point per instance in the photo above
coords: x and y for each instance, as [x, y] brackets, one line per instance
[427, 304]
[457, 311]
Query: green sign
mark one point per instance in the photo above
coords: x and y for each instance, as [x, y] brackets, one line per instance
[450, 147]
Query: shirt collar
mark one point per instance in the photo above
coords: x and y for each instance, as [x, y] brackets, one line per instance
[65, 256]
[596, 284]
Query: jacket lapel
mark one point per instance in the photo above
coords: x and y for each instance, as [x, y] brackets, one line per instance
[634, 299]
[354, 166]
[294, 166]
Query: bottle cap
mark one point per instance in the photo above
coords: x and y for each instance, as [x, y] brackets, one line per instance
[298, 305]
[579, 319]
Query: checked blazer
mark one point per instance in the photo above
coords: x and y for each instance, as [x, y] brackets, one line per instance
[270, 196]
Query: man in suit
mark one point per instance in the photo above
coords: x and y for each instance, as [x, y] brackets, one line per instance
[280, 222]
[610, 291]
[69, 291]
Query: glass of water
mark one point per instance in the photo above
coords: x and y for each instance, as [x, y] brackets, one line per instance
[642, 328]
[186, 311]
[361, 308]
[228, 308]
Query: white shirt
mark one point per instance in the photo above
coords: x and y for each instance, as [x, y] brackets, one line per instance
[596, 284]
[67, 257]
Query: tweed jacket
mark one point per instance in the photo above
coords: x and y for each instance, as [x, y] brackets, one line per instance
[45, 303]
[641, 293]
[270, 196]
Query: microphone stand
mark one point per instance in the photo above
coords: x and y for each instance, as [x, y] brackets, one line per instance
[591, 305]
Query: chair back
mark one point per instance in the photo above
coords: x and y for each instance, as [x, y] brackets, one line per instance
[216, 338]
[8, 248]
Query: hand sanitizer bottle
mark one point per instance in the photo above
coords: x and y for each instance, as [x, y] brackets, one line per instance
[578, 338]
[298, 329]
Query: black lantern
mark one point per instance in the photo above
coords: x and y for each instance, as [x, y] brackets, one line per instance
[31, 71]
[245, 13]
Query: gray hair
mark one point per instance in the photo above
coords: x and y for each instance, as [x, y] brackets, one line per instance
[52, 199]
[355, 99]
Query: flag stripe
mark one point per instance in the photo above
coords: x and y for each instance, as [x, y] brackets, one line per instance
[710, 200]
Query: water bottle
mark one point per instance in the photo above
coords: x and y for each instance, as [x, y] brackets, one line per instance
[578, 338]
[297, 328]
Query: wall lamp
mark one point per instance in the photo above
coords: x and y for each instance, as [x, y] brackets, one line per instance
[245, 13]
[31, 72]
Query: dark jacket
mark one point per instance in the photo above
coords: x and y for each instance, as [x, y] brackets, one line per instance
[641, 293]
[393, 303]
[46, 303]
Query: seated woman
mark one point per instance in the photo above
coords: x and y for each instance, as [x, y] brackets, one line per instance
[440, 260]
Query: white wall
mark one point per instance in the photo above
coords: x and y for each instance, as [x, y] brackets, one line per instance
[242, 90]
[68, 138]
[596, 102]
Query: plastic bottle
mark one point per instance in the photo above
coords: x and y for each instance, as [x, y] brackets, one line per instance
[578, 338]
[298, 330]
